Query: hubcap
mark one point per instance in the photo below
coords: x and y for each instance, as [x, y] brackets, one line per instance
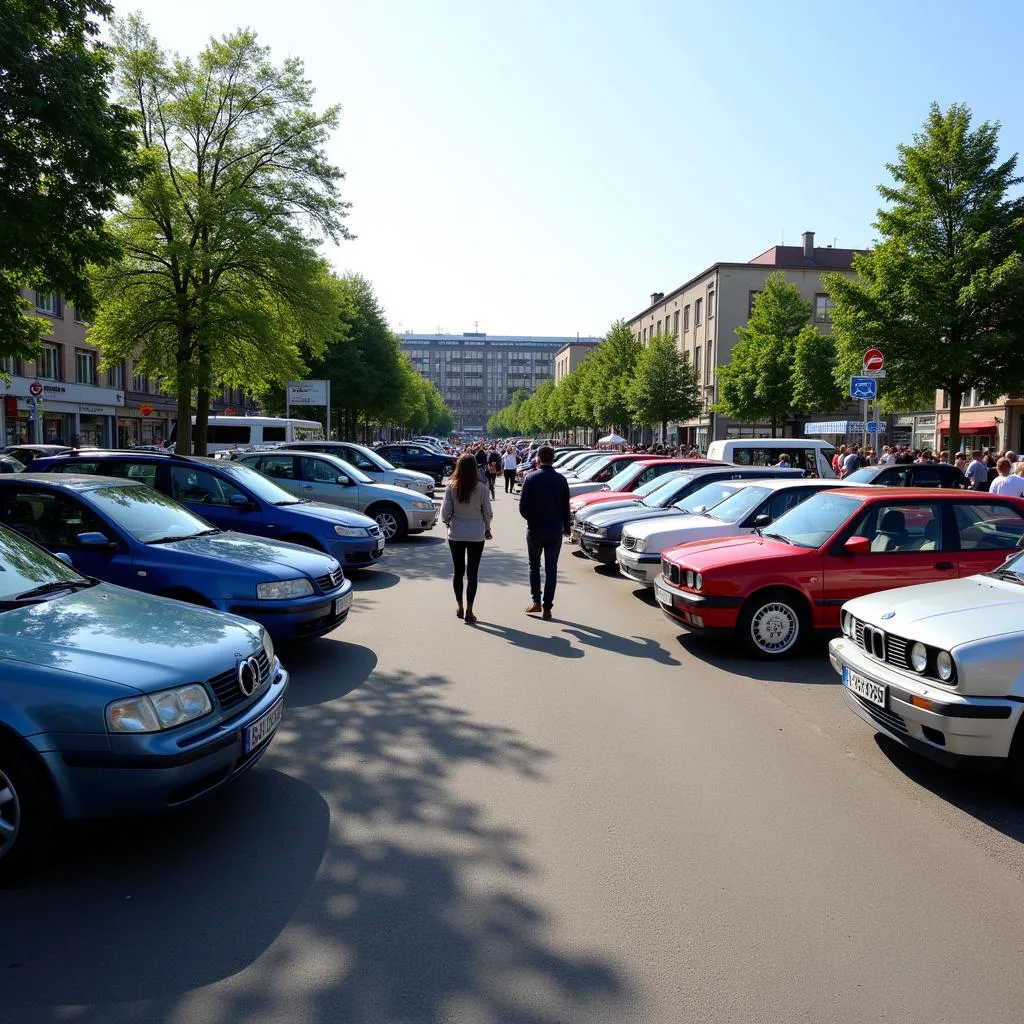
[388, 524]
[10, 814]
[774, 627]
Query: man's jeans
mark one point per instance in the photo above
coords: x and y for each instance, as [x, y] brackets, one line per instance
[550, 548]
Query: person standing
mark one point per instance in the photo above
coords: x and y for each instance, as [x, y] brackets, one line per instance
[509, 465]
[493, 468]
[544, 504]
[1007, 482]
[977, 473]
[466, 511]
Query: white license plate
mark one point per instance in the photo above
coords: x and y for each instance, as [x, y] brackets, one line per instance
[663, 596]
[380, 544]
[866, 688]
[342, 604]
[261, 729]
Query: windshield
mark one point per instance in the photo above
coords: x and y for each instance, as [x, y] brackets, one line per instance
[362, 456]
[148, 515]
[592, 469]
[813, 521]
[706, 497]
[668, 483]
[24, 567]
[626, 476]
[740, 504]
[579, 460]
[862, 476]
[346, 467]
[264, 488]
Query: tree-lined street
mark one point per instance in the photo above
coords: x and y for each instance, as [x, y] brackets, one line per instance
[592, 819]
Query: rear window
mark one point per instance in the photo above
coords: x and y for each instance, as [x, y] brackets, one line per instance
[274, 434]
[799, 458]
[221, 433]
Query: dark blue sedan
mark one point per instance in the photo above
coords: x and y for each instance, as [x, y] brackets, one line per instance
[235, 497]
[122, 532]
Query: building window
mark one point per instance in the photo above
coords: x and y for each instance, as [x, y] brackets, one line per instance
[85, 367]
[696, 362]
[48, 363]
[46, 302]
[116, 375]
[78, 317]
[645, 334]
[659, 328]
[750, 302]
[139, 382]
[822, 308]
[711, 303]
[698, 308]
[8, 365]
[686, 318]
[675, 323]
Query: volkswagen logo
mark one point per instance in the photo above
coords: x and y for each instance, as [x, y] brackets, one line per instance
[248, 676]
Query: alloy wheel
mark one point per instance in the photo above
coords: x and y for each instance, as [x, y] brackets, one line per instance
[388, 524]
[774, 627]
[10, 814]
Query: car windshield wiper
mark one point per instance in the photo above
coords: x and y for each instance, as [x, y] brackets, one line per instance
[1007, 574]
[294, 501]
[778, 536]
[52, 588]
[170, 538]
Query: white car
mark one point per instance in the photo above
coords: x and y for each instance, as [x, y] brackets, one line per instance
[939, 667]
[749, 506]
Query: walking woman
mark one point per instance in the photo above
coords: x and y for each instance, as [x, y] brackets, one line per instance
[467, 514]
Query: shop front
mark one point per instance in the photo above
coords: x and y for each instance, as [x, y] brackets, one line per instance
[916, 431]
[976, 432]
[62, 413]
[848, 432]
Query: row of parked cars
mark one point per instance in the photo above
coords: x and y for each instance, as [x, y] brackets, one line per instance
[919, 580]
[141, 597]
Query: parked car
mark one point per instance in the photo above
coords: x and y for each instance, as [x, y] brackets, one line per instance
[27, 453]
[771, 591]
[747, 505]
[369, 462]
[600, 471]
[324, 478]
[917, 474]
[234, 497]
[419, 457]
[810, 454]
[578, 461]
[603, 528]
[122, 532]
[9, 464]
[938, 667]
[636, 474]
[115, 703]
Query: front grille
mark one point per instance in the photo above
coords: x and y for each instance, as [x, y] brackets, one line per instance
[225, 685]
[629, 543]
[881, 645]
[670, 571]
[882, 716]
[331, 580]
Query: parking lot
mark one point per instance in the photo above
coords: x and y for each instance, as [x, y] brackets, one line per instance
[597, 818]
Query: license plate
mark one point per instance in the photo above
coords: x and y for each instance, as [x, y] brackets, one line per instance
[663, 596]
[342, 604]
[263, 727]
[866, 688]
[380, 544]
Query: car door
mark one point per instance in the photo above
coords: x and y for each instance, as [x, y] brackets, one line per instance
[210, 496]
[282, 469]
[987, 532]
[319, 481]
[909, 542]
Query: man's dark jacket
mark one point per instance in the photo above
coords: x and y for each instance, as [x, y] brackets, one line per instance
[544, 503]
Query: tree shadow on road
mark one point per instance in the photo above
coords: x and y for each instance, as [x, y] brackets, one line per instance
[555, 645]
[346, 880]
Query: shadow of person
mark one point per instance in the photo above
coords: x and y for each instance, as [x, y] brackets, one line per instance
[556, 645]
[632, 647]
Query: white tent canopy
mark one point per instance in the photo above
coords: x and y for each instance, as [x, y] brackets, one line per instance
[612, 439]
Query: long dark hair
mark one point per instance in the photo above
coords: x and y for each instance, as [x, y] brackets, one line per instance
[465, 478]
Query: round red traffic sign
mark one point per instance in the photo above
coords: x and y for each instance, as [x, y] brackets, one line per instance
[35, 389]
[873, 359]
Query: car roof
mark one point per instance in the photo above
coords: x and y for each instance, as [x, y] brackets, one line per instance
[784, 485]
[71, 481]
[877, 494]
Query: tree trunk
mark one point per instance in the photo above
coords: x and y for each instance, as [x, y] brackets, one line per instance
[953, 440]
[183, 432]
[664, 431]
[202, 401]
[775, 427]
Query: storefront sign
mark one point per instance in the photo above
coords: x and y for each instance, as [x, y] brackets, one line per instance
[52, 391]
[146, 410]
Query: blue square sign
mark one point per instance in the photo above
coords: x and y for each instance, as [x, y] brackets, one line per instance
[865, 388]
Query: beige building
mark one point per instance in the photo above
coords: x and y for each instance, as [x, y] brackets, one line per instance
[998, 424]
[570, 356]
[703, 315]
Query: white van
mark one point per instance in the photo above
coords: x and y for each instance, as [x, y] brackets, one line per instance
[811, 455]
[240, 431]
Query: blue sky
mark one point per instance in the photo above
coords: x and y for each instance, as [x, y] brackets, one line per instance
[540, 168]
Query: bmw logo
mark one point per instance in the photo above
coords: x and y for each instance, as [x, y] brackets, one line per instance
[889, 615]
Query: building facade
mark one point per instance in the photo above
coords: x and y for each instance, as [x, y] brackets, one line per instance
[703, 314]
[477, 374]
[983, 424]
[568, 357]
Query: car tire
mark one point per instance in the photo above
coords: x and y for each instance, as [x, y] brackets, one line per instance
[28, 812]
[773, 624]
[391, 519]
[1015, 761]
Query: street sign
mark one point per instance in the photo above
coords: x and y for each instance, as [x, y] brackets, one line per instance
[877, 374]
[307, 392]
[873, 359]
[35, 389]
[864, 388]
[873, 426]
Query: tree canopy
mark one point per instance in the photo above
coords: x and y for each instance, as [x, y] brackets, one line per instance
[664, 386]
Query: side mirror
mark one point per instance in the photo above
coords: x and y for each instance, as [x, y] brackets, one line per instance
[857, 546]
[762, 521]
[239, 501]
[344, 481]
[94, 540]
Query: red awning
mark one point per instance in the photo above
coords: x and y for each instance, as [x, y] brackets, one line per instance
[970, 426]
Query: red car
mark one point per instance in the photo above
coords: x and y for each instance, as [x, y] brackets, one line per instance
[636, 475]
[774, 589]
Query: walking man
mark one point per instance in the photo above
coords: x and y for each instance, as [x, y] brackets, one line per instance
[510, 464]
[544, 504]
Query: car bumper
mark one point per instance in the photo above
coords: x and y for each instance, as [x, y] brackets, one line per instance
[150, 773]
[638, 567]
[421, 519]
[364, 556]
[305, 618]
[599, 549]
[698, 613]
[957, 728]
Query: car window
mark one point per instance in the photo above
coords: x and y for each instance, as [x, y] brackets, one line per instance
[24, 567]
[320, 471]
[51, 519]
[76, 467]
[782, 501]
[193, 485]
[924, 476]
[899, 527]
[358, 459]
[813, 521]
[666, 486]
[984, 526]
[705, 497]
[147, 515]
[279, 467]
[739, 504]
[144, 472]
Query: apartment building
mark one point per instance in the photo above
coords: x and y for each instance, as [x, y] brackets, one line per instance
[983, 424]
[703, 314]
[478, 373]
[570, 356]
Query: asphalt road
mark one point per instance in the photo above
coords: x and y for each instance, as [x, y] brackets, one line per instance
[595, 819]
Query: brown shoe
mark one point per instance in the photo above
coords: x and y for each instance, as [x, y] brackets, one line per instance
[533, 609]
[547, 615]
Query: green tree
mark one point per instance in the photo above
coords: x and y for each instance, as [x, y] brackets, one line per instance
[66, 152]
[757, 382]
[664, 385]
[814, 383]
[609, 370]
[942, 293]
[220, 280]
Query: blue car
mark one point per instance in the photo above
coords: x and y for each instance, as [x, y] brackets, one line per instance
[235, 497]
[121, 532]
[115, 703]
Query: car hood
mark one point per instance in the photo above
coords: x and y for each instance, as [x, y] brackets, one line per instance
[412, 476]
[403, 496]
[684, 529]
[633, 512]
[332, 513]
[707, 553]
[132, 640]
[601, 496]
[275, 558]
[946, 613]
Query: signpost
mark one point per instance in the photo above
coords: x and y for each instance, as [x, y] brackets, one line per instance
[309, 392]
[874, 370]
[874, 360]
[35, 389]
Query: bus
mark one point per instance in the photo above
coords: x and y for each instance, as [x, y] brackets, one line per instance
[241, 431]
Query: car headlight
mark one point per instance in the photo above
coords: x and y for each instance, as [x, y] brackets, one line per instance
[424, 505]
[846, 623]
[352, 531]
[698, 581]
[639, 544]
[156, 711]
[944, 666]
[601, 531]
[689, 578]
[282, 590]
[268, 647]
[403, 483]
[919, 657]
